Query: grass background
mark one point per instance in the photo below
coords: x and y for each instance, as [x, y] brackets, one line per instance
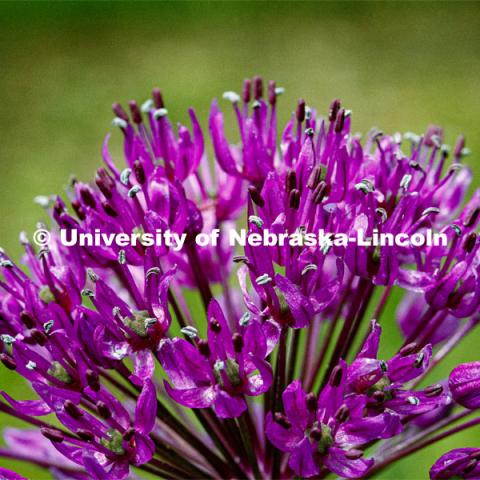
[398, 66]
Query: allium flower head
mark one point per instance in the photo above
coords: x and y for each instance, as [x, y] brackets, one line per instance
[256, 361]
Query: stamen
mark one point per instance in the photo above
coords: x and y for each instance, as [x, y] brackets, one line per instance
[471, 218]
[157, 98]
[135, 111]
[339, 121]
[245, 319]
[263, 279]
[433, 390]
[282, 420]
[294, 199]
[203, 348]
[93, 380]
[290, 181]
[120, 112]
[103, 410]
[311, 400]
[257, 87]
[237, 342]
[300, 112]
[231, 97]
[72, 410]
[272, 93]
[256, 196]
[139, 171]
[334, 108]
[247, 90]
[27, 319]
[257, 221]
[336, 376]
[52, 434]
[125, 176]
[85, 435]
[8, 361]
[190, 332]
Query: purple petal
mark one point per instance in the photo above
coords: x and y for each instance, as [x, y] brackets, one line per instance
[229, 406]
[464, 383]
[295, 405]
[301, 460]
[338, 463]
[146, 409]
[196, 397]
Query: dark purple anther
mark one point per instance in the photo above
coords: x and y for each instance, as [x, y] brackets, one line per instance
[314, 177]
[470, 467]
[336, 376]
[257, 87]
[87, 197]
[215, 326]
[343, 413]
[379, 396]
[240, 259]
[27, 319]
[135, 111]
[104, 182]
[76, 205]
[311, 400]
[471, 218]
[321, 190]
[340, 120]
[272, 95]
[470, 242]
[408, 349]
[52, 434]
[300, 113]
[433, 390]
[103, 410]
[109, 210]
[238, 343]
[128, 435]
[334, 108]
[316, 434]
[139, 171]
[256, 196]
[157, 98]
[282, 420]
[93, 380]
[203, 348]
[290, 181]
[85, 435]
[294, 199]
[8, 361]
[39, 337]
[459, 146]
[120, 112]
[247, 90]
[72, 410]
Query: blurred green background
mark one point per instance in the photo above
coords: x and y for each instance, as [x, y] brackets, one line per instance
[397, 66]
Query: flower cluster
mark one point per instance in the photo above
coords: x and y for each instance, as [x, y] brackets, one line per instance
[212, 363]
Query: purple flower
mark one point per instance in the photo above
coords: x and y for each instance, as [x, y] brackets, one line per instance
[325, 432]
[93, 327]
[458, 463]
[464, 382]
[218, 372]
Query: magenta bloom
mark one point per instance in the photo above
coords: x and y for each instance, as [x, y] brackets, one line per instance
[464, 382]
[458, 463]
[222, 370]
[151, 353]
